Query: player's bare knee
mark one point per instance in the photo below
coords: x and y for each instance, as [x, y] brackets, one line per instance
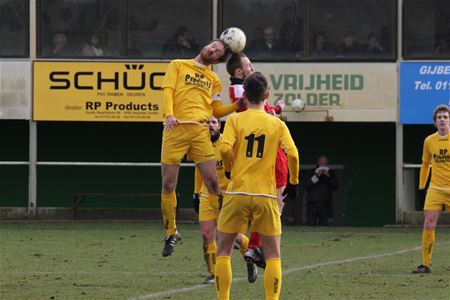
[168, 186]
[429, 224]
[207, 236]
[212, 185]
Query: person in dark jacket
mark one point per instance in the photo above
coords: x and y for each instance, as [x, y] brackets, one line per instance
[320, 183]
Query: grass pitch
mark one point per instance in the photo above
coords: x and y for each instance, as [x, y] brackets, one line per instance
[123, 261]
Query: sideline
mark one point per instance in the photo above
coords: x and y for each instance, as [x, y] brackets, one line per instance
[286, 272]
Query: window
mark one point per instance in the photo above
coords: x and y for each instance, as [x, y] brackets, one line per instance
[274, 28]
[90, 28]
[427, 30]
[168, 28]
[14, 28]
[353, 29]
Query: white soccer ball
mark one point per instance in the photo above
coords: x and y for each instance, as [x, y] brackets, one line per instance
[235, 38]
[298, 104]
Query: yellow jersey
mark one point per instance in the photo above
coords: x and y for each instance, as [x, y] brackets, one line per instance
[436, 151]
[249, 144]
[193, 87]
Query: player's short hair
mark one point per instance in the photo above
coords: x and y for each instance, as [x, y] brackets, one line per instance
[235, 62]
[439, 108]
[255, 86]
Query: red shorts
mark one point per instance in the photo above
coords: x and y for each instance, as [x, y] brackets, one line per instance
[281, 169]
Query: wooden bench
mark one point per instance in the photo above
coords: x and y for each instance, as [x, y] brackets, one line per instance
[78, 198]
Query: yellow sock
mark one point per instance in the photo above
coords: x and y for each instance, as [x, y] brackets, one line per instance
[168, 207]
[427, 246]
[272, 278]
[244, 244]
[223, 277]
[209, 253]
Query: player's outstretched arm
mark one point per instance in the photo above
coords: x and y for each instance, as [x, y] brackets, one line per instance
[276, 108]
[220, 110]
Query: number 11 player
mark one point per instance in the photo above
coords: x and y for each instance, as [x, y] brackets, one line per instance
[249, 147]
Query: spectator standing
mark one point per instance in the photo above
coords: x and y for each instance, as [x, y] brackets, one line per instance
[320, 184]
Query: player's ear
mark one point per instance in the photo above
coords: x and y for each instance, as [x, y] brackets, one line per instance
[266, 94]
[238, 72]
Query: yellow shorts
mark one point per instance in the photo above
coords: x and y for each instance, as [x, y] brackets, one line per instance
[209, 208]
[436, 199]
[191, 139]
[238, 210]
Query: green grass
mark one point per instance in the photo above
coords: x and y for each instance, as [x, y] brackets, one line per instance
[123, 260]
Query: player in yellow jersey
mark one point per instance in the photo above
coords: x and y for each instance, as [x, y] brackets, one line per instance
[436, 152]
[249, 147]
[191, 95]
[207, 206]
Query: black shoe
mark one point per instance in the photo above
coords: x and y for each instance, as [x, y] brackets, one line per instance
[256, 256]
[209, 280]
[421, 270]
[170, 242]
[236, 246]
[252, 272]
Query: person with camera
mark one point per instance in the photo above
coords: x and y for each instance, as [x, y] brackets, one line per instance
[320, 183]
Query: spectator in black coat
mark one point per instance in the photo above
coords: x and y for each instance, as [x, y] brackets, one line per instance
[320, 183]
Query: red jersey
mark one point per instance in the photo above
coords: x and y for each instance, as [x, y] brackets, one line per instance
[237, 92]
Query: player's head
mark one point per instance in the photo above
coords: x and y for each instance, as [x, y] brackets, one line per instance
[214, 128]
[441, 116]
[239, 65]
[255, 88]
[215, 52]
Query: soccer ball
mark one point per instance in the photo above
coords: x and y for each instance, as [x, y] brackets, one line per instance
[298, 104]
[235, 38]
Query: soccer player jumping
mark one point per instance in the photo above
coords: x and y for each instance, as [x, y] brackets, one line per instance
[191, 95]
[436, 152]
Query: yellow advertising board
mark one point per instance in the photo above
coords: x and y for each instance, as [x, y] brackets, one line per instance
[98, 91]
